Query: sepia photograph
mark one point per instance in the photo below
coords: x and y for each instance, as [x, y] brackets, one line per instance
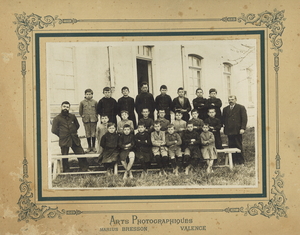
[153, 114]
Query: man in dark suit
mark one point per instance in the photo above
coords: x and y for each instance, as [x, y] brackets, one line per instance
[235, 121]
[65, 126]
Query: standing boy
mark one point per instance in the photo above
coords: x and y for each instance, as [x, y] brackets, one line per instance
[200, 104]
[173, 142]
[108, 106]
[88, 112]
[191, 143]
[144, 100]
[182, 104]
[65, 126]
[159, 148]
[126, 145]
[215, 127]
[214, 103]
[143, 148]
[164, 102]
[127, 103]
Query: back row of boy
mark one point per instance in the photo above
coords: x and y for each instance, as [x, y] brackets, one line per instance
[207, 110]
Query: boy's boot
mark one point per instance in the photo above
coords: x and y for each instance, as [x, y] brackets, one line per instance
[93, 145]
[89, 145]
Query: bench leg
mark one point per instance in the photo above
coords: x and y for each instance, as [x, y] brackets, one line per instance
[230, 161]
[116, 169]
[54, 171]
[226, 159]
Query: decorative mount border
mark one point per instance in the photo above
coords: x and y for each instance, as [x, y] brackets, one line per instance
[272, 20]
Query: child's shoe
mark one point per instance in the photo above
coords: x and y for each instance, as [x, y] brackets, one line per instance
[130, 175]
[88, 150]
[94, 150]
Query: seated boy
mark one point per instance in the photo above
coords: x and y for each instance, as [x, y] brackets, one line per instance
[143, 148]
[161, 118]
[159, 148]
[109, 143]
[173, 142]
[126, 145]
[101, 130]
[215, 127]
[179, 124]
[197, 122]
[124, 121]
[146, 120]
[191, 143]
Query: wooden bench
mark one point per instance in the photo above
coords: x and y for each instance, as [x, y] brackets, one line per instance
[228, 156]
[57, 169]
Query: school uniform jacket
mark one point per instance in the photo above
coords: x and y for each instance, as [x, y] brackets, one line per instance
[126, 103]
[144, 100]
[234, 120]
[200, 104]
[170, 139]
[88, 110]
[163, 102]
[215, 103]
[188, 136]
[109, 107]
[65, 127]
[186, 105]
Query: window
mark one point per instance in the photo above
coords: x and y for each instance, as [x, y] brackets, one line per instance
[227, 77]
[194, 62]
[63, 79]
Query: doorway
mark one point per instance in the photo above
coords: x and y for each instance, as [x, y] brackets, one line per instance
[144, 73]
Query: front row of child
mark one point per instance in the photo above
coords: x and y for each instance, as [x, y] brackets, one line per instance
[164, 146]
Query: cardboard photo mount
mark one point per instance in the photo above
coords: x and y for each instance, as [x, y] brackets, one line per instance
[38, 203]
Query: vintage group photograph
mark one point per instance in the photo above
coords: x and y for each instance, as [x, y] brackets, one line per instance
[155, 114]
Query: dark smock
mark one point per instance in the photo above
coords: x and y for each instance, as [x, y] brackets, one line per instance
[109, 143]
[124, 140]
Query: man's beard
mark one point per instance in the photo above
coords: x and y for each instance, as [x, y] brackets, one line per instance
[65, 112]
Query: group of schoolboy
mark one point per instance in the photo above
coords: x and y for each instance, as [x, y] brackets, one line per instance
[196, 138]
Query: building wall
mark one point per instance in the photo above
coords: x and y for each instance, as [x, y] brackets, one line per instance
[97, 66]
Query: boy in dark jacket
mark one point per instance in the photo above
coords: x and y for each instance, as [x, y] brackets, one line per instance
[127, 103]
[200, 104]
[191, 142]
[214, 103]
[143, 148]
[215, 127]
[108, 106]
[164, 102]
[182, 104]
